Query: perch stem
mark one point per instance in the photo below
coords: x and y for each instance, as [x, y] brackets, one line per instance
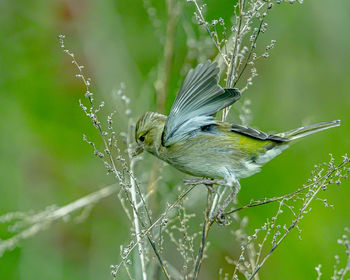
[206, 226]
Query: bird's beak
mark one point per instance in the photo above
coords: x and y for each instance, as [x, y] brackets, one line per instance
[138, 150]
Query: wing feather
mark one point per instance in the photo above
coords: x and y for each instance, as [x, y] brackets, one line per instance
[255, 133]
[198, 99]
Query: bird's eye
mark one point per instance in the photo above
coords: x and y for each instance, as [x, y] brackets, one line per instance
[142, 138]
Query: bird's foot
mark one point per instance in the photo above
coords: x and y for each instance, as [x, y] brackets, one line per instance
[206, 182]
[221, 219]
[199, 181]
[203, 181]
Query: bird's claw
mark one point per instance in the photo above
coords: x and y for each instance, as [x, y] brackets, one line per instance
[199, 181]
[207, 182]
[221, 219]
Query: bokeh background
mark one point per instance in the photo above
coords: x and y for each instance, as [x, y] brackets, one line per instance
[43, 160]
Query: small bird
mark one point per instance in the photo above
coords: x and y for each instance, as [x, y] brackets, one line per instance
[193, 141]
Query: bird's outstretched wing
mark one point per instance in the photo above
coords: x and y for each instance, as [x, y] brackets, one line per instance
[199, 98]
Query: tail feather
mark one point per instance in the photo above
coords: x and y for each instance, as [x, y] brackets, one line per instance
[309, 129]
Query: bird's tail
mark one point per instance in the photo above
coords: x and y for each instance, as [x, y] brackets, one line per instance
[309, 129]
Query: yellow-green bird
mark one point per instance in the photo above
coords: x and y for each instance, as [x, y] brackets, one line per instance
[193, 141]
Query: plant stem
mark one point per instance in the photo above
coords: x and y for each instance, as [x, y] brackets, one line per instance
[43, 221]
[266, 201]
[206, 226]
[136, 223]
[294, 223]
[164, 70]
[160, 218]
[206, 25]
[232, 69]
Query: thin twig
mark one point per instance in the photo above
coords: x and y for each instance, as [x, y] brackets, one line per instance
[253, 45]
[206, 25]
[134, 186]
[160, 218]
[324, 182]
[136, 223]
[206, 227]
[164, 72]
[347, 266]
[269, 200]
[45, 220]
[233, 64]
[137, 220]
[294, 223]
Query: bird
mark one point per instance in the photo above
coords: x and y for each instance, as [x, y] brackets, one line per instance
[192, 140]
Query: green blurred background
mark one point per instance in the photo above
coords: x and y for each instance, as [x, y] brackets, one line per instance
[43, 160]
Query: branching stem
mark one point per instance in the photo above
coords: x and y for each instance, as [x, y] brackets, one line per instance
[206, 226]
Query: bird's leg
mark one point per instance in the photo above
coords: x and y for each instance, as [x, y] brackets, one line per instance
[219, 215]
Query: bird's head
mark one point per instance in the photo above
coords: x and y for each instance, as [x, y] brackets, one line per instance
[148, 132]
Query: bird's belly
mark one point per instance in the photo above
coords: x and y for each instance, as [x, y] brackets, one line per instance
[211, 160]
[218, 170]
